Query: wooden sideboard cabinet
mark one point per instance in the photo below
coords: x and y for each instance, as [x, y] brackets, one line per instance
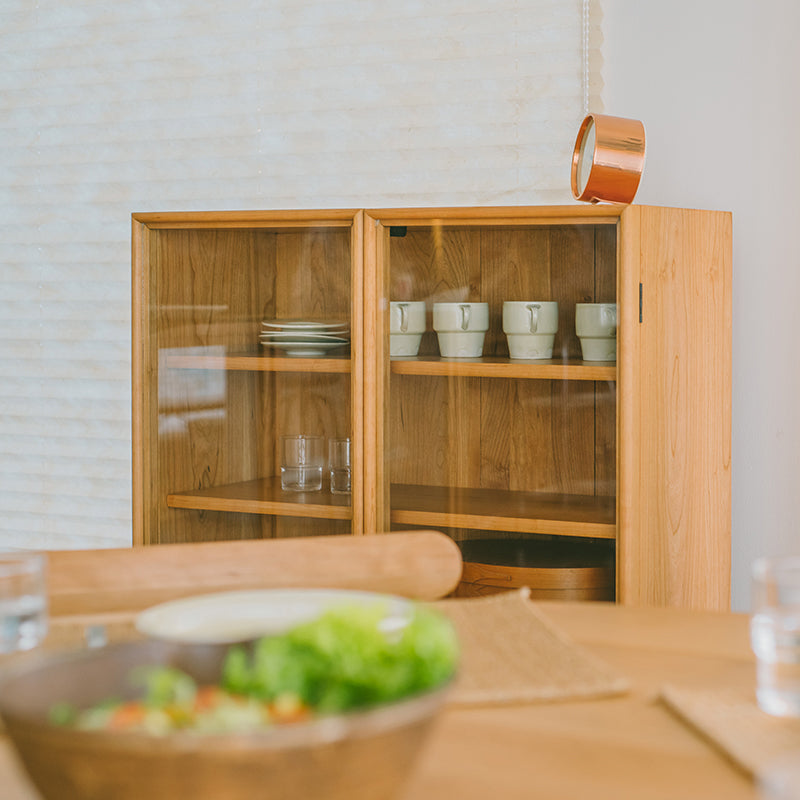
[634, 454]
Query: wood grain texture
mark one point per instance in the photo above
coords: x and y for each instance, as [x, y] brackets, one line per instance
[650, 434]
[376, 378]
[500, 216]
[676, 409]
[503, 367]
[142, 387]
[624, 747]
[357, 403]
[276, 220]
[420, 564]
[498, 510]
[265, 496]
[256, 362]
[492, 423]
[206, 282]
[566, 583]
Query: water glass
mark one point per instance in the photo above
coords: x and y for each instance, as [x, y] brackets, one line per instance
[302, 460]
[775, 634]
[23, 600]
[339, 465]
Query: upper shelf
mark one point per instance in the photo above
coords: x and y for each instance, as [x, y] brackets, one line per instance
[255, 362]
[497, 367]
[485, 367]
[264, 496]
[501, 510]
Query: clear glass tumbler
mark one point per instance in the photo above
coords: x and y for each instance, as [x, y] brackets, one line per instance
[775, 634]
[23, 600]
[339, 465]
[302, 460]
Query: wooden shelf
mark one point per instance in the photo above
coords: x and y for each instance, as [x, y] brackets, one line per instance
[255, 362]
[495, 367]
[264, 496]
[500, 510]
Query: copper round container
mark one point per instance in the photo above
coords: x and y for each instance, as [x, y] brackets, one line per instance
[608, 159]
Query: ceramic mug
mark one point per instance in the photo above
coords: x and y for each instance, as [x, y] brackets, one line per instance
[530, 327]
[596, 326]
[406, 326]
[461, 328]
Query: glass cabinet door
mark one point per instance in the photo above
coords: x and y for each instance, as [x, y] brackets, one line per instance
[512, 457]
[247, 329]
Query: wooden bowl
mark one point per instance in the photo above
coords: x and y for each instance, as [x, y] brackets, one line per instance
[365, 754]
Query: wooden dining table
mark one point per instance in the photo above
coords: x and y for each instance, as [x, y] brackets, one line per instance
[625, 746]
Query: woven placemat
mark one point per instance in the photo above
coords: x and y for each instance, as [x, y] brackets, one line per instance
[511, 653]
[766, 748]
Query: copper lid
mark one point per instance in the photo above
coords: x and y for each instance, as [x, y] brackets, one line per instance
[608, 159]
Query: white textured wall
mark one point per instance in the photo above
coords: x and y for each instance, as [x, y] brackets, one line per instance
[107, 108]
[716, 83]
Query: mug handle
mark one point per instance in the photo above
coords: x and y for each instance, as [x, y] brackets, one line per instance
[610, 316]
[466, 313]
[533, 314]
[403, 317]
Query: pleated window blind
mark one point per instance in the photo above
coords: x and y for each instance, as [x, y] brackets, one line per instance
[108, 108]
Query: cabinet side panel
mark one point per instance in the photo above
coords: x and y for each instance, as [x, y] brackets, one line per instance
[144, 399]
[680, 553]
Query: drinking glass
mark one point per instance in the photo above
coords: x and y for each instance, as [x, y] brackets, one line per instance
[302, 459]
[23, 600]
[339, 465]
[775, 634]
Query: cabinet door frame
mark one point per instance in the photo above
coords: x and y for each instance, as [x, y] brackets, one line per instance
[151, 490]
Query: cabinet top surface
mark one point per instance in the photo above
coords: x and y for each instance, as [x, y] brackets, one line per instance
[598, 213]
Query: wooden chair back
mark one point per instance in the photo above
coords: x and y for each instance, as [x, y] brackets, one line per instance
[424, 565]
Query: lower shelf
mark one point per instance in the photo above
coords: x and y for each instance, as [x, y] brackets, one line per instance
[264, 496]
[499, 510]
[425, 506]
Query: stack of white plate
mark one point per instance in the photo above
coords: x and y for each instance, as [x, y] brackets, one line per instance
[307, 338]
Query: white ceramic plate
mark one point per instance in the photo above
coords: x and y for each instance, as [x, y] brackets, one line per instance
[303, 325]
[303, 337]
[226, 617]
[305, 349]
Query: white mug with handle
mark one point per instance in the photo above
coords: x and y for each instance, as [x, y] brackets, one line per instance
[461, 328]
[530, 327]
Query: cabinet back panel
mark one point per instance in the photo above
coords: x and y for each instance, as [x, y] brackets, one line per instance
[566, 263]
[185, 525]
[215, 287]
[220, 284]
[214, 425]
[524, 435]
[306, 403]
[520, 435]
[313, 275]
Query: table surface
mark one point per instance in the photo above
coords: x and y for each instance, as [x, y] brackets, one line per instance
[624, 747]
[629, 746]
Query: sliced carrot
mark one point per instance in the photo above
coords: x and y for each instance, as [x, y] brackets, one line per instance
[127, 715]
[288, 708]
[207, 697]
